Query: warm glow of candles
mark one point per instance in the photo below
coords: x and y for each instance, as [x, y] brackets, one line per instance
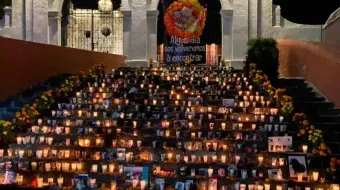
[304, 148]
[94, 168]
[260, 159]
[60, 181]
[210, 172]
[315, 176]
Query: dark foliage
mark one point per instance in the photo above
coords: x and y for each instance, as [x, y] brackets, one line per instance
[264, 53]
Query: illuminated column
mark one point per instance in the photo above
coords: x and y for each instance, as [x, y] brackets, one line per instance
[152, 17]
[54, 28]
[7, 19]
[227, 34]
[126, 32]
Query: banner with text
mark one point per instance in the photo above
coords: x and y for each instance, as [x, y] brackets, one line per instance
[184, 22]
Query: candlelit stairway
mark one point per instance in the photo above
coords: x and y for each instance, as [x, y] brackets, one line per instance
[319, 110]
[148, 134]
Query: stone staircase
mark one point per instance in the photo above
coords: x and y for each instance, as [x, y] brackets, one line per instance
[15, 103]
[319, 110]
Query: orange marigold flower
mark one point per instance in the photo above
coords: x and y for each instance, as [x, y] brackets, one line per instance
[305, 122]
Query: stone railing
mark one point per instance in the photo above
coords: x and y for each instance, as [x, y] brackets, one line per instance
[6, 21]
[332, 27]
[317, 62]
[334, 16]
[24, 64]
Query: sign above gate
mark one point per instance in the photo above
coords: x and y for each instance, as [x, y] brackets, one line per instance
[184, 22]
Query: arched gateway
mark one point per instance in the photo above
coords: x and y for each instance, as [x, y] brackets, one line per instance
[93, 26]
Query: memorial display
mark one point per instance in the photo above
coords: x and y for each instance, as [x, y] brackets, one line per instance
[197, 127]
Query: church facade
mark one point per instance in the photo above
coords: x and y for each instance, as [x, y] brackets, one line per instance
[136, 37]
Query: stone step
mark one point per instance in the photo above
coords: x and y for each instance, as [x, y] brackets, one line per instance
[325, 118]
[312, 107]
[287, 82]
[329, 127]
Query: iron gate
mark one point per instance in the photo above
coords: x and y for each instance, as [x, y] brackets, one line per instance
[94, 30]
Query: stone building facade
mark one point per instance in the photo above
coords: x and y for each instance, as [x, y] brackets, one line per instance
[40, 21]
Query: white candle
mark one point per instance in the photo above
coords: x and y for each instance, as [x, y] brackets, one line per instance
[94, 168]
[304, 148]
[142, 184]
[19, 140]
[60, 181]
[260, 158]
[135, 183]
[267, 186]
[237, 158]
[315, 176]
[210, 172]
[21, 153]
[223, 158]
[40, 181]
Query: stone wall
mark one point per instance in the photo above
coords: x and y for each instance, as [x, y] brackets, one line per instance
[39, 21]
[332, 29]
[25, 64]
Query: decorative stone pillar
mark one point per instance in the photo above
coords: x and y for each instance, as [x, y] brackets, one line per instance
[227, 34]
[54, 28]
[40, 21]
[126, 32]
[152, 18]
[7, 19]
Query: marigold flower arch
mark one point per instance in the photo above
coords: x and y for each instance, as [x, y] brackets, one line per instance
[197, 11]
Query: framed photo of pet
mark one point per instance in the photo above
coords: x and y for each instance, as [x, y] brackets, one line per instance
[297, 165]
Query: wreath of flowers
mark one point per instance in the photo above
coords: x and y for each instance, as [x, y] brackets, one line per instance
[198, 12]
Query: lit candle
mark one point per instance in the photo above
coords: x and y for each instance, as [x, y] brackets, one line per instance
[237, 158]
[223, 125]
[210, 172]
[80, 112]
[113, 185]
[45, 153]
[1, 152]
[98, 142]
[87, 142]
[39, 153]
[315, 176]
[40, 181]
[74, 166]
[142, 184]
[253, 126]
[267, 186]
[21, 153]
[79, 166]
[223, 158]
[19, 140]
[304, 148]
[111, 167]
[60, 181]
[19, 179]
[94, 168]
[205, 158]
[186, 159]
[93, 182]
[67, 153]
[278, 187]
[260, 159]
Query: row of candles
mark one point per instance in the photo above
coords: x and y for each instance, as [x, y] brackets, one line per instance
[61, 180]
